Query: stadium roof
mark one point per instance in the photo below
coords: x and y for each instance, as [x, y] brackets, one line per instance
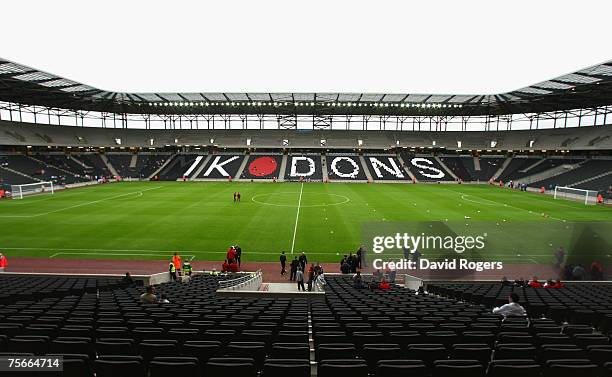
[586, 88]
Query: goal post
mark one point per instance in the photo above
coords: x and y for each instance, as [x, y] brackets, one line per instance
[19, 191]
[571, 193]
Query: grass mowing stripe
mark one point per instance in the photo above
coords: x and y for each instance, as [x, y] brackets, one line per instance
[297, 216]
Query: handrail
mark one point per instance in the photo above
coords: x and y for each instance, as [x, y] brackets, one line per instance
[254, 278]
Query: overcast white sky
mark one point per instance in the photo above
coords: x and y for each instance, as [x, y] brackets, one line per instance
[432, 46]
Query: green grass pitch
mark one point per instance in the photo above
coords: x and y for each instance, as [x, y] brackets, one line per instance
[148, 220]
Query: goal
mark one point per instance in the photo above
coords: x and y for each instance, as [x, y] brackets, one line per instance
[19, 191]
[586, 196]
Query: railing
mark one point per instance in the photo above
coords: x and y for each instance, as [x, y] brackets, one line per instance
[251, 281]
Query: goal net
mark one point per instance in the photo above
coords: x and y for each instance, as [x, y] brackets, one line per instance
[19, 191]
[570, 193]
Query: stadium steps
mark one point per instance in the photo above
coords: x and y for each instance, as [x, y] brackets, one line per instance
[450, 172]
[527, 169]
[324, 168]
[366, 170]
[51, 166]
[163, 166]
[476, 163]
[79, 162]
[22, 174]
[283, 167]
[502, 168]
[590, 179]
[110, 167]
[406, 169]
[557, 170]
[15, 172]
[133, 161]
[242, 166]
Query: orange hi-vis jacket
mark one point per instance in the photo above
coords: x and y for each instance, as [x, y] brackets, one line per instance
[176, 259]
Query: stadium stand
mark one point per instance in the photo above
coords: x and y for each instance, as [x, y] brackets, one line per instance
[306, 166]
[121, 163]
[385, 168]
[10, 177]
[345, 167]
[177, 167]
[262, 167]
[586, 170]
[149, 163]
[63, 162]
[38, 169]
[450, 332]
[455, 164]
[547, 164]
[95, 163]
[488, 167]
[425, 167]
[517, 166]
[222, 167]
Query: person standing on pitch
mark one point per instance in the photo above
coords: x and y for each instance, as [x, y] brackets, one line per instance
[283, 262]
[235, 196]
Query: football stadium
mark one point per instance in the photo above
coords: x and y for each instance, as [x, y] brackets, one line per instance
[313, 230]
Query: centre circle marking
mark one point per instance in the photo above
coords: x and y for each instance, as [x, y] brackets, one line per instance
[254, 199]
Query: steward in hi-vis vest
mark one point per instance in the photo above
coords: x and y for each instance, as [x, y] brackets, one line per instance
[187, 268]
[172, 271]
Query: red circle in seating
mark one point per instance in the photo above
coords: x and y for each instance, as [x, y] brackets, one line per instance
[262, 166]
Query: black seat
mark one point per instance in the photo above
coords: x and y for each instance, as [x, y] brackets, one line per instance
[115, 346]
[227, 366]
[514, 351]
[168, 366]
[555, 353]
[373, 353]
[458, 368]
[402, 368]
[335, 351]
[286, 367]
[202, 349]
[157, 347]
[72, 346]
[117, 367]
[290, 351]
[513, 368]
[343, 368]
[37, 346]
[253, 350]
[571, 368]
[428, 352]
[480, 352]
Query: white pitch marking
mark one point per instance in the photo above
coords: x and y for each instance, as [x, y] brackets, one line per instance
[297, 217]
[140, 193]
